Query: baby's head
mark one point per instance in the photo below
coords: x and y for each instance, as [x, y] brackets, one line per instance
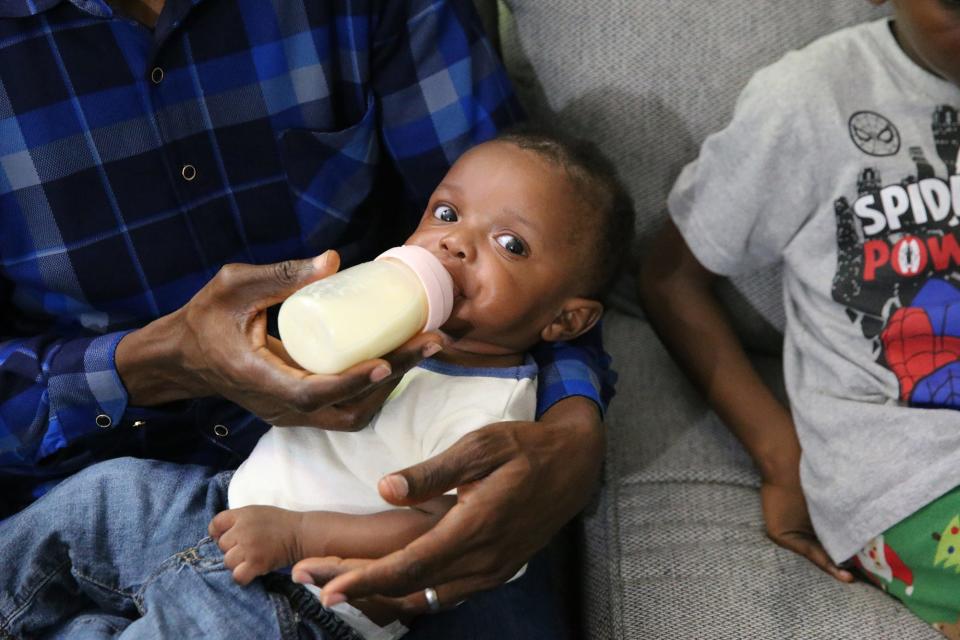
[929, 32]
[533, 229]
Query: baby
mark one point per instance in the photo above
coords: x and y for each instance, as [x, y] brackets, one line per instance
[532, 230]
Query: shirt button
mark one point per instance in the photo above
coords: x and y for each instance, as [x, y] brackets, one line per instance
[189, 172]
[156, 76]
[140, 423]
[221, 431]
[104, 421]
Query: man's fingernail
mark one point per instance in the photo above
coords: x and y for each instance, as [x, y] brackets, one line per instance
[333, 599]
[320, 262]
[431, 350]
[378, 374]
[398, 484]
[304, 579]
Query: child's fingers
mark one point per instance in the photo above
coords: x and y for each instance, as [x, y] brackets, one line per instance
[244, 574]
[220, 523]
[812, 550]
[227, 541]
[233, 558]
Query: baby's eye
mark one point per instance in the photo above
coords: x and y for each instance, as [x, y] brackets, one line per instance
[445, 213]
[512, 243]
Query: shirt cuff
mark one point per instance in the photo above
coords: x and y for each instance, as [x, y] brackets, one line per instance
[86, 394]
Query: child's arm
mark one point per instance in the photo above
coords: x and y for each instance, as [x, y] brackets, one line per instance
[258, 539]
[677, 294]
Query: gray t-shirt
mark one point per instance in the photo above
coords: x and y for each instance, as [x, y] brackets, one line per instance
[840, 163]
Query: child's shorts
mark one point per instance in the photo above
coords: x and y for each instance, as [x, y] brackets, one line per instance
[917, 561]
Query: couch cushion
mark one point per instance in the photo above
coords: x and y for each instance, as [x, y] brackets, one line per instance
[675, 544]
[650, 80]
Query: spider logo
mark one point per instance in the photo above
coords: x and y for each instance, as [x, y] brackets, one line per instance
[874, 134]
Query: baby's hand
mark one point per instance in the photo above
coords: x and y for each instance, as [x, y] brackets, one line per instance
[257, 539]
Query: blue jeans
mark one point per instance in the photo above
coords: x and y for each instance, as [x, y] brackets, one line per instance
[121, 550]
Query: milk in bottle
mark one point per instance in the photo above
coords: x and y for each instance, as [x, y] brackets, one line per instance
[367, 310]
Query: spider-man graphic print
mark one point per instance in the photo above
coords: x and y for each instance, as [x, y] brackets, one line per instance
[898, 268]
[921, 345]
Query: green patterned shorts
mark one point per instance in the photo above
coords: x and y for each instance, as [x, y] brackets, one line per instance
[917, 561]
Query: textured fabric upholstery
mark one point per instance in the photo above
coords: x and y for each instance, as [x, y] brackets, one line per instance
[649, 80]
[674, 543]
[675, 547]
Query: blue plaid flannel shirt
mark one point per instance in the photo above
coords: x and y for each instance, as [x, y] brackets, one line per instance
[135, 162]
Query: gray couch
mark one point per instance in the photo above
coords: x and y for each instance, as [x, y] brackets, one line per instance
[674, 547]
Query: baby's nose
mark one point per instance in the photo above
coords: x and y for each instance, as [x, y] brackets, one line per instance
[456, 247]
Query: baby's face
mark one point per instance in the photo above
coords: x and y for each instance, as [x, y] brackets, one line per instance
[504, 222]
[931, 30]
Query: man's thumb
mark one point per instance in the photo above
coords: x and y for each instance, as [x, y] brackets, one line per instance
[271, 284]
[469, 459]
[417, 484]
[294, 274]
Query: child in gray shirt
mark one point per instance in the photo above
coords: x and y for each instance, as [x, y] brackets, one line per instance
[839, 163]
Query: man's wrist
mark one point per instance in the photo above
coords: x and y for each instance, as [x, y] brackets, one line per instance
[580, 421]
[149, 364]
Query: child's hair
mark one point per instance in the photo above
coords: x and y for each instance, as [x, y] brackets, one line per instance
[596, 180]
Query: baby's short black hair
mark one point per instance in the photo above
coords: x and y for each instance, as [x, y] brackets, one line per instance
[596, 180]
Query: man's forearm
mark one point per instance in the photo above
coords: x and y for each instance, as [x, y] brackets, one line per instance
[578, 420]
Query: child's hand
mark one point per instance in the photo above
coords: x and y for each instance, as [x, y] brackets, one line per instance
[788, 524]
[257, 539]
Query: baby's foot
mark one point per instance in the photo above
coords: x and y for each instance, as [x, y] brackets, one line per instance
[257, 539]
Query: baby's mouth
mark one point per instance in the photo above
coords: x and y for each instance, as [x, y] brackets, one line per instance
[457, 288]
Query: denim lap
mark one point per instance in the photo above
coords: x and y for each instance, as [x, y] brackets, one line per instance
[126, 539]
[121, 550]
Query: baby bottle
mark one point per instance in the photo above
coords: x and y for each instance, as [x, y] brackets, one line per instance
[366, 311]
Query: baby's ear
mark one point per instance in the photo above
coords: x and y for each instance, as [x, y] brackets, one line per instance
[577, 316]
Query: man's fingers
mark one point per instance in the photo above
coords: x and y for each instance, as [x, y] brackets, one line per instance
[440, 555]
[449, 595]
[306, 392]
[269, 284]
[353, 414]
[319, 571]
[276, 347]
[407, 355]
[470, 458]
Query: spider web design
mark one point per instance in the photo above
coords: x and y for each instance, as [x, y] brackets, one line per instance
[939, 389]
[922, 346]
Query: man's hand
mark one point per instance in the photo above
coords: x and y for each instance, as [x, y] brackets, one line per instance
[355, 413]
[518, 483]
[788, 524]
[217, 344]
